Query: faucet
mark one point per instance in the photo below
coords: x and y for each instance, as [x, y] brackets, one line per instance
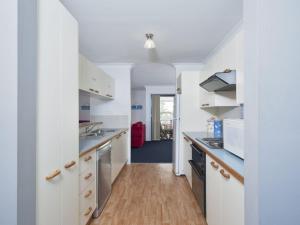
[90, 126]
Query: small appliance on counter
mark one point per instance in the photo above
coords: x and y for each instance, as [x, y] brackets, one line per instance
[218, 128]
[234, 136]
[214, 128]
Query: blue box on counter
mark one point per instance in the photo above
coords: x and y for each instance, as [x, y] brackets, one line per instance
[218, 128]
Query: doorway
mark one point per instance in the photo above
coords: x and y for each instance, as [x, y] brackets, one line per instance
[162, 114]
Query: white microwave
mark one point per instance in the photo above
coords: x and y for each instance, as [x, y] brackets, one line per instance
[233, 134]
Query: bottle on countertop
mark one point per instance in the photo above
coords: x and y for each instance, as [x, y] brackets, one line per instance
[218, 128]
[210, 126]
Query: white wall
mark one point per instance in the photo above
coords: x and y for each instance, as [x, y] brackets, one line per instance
[184, 67]
[138, 97]
[8, 118]
[272, 108]
[118, 111]
[150, 90]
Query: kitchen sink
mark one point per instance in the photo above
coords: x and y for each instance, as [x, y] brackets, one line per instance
[100, 133]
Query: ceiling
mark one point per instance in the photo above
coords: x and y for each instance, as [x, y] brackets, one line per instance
[152, 74]
[113, 31]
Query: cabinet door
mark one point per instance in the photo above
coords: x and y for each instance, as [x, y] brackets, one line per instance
[187, 156]
[69, 119]
[213, 193]
[124, 147]
[240, 68]
[232, 201]
[83, 78]
[48, 114]
[93, 77]
[110, 87]
[114, 158]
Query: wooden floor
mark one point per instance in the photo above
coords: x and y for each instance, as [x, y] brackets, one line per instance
[150, 194]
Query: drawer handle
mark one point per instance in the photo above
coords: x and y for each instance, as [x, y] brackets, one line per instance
[214, 165]
[70, 164]
[96, 91]
[88, 211]
[88, 158]
[88, 176]
[92, 89]
[227, 176]
[186, 139]
[53, 174]
[88, 194]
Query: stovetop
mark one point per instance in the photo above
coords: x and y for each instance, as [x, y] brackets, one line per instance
[212, 142]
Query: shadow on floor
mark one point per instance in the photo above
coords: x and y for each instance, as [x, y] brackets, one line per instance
[153, 152]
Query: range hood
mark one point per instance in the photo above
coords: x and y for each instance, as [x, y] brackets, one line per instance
[222, 81]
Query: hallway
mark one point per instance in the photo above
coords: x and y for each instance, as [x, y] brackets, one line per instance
[153, 152]
[150, 194]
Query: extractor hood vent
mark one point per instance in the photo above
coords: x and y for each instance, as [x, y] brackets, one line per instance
[222, 81]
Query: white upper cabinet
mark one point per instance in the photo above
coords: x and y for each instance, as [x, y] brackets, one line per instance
[229, 56]
[95, 81]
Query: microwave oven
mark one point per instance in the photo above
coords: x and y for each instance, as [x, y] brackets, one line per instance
[233, 136]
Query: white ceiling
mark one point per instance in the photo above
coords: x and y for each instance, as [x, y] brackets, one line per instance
[152, 74]
[184, 30]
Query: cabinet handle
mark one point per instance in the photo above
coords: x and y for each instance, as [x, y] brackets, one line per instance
[186, 139]
[70, 164]
[86, 159]
[227, 176]
[92, 89]
[88, 194]
[214, 165]
[89, 210]
[88, 176]
[205, 105]
[109, 95]
[53, 174]
[96, 91]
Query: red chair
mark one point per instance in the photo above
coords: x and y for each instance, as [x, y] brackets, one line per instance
[137, 135]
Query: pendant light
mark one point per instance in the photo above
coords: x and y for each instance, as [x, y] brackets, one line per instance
[149, 42]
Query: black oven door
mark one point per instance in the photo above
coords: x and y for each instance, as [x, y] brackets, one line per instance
[198, 164]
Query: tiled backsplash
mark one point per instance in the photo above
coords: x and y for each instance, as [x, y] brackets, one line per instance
[114, 121]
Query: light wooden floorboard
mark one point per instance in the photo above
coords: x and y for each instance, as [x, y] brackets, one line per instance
[150, 194]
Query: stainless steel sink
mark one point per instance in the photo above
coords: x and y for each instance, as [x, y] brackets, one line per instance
[100, 133]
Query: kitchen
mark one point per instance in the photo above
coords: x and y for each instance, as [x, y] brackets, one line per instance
[229, 130]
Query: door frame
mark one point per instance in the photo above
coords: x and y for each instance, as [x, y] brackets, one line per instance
[160, 95]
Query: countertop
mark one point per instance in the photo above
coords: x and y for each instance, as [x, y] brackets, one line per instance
[87, 144]
[229, 161]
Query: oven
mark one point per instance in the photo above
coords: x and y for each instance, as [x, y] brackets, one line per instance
[198, 164]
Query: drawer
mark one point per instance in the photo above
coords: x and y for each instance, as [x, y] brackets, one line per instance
[87, 161]
[88, 197]
[86, 178]
[86, 214]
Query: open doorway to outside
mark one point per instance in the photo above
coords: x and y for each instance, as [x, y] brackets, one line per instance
[162, 114]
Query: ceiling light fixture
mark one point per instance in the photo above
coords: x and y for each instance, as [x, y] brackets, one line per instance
[149, 42]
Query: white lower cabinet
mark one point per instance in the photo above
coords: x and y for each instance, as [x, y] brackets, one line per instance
[187, 155]
[224, 196]
[87, 181]
[118, 154]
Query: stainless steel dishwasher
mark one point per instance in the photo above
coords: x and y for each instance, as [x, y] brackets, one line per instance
[103, 178]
